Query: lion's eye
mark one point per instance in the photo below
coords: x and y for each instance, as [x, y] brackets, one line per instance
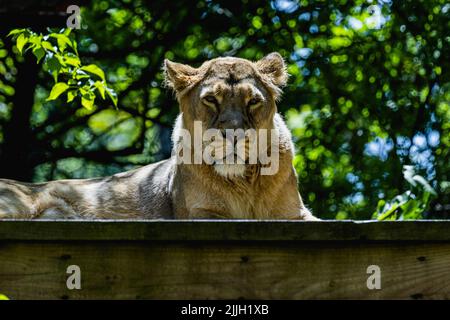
[210, 99]
[253, 102]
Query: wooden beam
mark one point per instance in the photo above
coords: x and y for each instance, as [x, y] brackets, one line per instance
[225, 230]
[158, 270]
[224, 259]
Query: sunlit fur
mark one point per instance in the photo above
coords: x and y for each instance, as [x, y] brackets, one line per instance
[234, 191]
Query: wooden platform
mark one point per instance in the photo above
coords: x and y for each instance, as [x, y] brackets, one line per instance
[225, 259]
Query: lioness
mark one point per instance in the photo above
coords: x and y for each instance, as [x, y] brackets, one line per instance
[223, 93]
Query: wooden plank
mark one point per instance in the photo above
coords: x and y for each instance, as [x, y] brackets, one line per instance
[224, 259]
[224, 270]
[220, 230]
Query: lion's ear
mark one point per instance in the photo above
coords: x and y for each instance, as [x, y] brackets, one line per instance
[179, 76]
[273, 67]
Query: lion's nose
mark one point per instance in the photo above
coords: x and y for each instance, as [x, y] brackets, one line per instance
[231, 120]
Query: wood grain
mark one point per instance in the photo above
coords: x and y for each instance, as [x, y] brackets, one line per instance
[224, 270]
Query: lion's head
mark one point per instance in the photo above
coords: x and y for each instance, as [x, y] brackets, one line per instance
[228, 93]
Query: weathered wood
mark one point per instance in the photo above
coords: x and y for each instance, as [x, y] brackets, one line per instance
[137, 270]
[226, 260]
[218, 230]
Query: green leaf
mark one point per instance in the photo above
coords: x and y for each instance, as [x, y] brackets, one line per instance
[35, 40]
[88, 101]
[92, 68]
[444, 185]
[380, 208]
[101, 87]
[3, 53]
[408, 174]
[80, 74]
[112, 95]
[60, 59]
[47, 45]
[72, 60]
[74, 46]
[57, 89]
[71, 95]
[63, 41]
[53, 67]
[411, 210]
[21, 42]
[39, 53]
[53, 64]
[15, 31]
[389, 210]
[424, 184]
[385, 215]
[85, 90]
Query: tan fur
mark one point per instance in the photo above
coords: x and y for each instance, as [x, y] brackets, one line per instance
[186, 191]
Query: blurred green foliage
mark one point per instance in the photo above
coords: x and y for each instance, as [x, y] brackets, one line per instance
[368, 94]
[409, 205]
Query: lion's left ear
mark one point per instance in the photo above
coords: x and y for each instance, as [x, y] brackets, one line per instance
[274, 68]
[179, 76]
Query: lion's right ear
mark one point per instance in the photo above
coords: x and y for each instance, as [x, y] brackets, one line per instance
[273, 67]
[179, 76]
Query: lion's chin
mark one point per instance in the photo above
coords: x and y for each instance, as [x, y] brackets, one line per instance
[230, 170]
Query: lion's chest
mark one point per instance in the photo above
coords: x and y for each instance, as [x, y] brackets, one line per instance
[228, 201]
